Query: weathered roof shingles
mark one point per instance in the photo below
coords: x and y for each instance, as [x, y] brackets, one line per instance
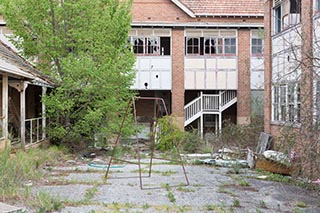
[224, 7]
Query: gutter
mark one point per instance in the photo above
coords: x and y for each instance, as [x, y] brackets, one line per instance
[197, 25]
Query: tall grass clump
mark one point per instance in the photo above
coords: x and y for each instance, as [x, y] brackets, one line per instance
[22, 166]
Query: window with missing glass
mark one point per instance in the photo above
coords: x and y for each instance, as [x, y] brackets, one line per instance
[211, 46]
[150, 45]
[286, 103]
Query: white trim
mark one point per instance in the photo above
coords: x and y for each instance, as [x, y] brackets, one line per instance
[230, 14]
[184, 8]
[197, 24]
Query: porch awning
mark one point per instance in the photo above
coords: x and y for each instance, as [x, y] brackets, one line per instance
[11, 69]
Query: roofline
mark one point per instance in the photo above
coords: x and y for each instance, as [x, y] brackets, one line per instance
[230, 15]
[36, 74]
[184, 8]
[197, 24]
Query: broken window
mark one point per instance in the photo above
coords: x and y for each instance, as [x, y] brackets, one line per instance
[151, 45]
[211, 46]
[193, 46]
[286, 14]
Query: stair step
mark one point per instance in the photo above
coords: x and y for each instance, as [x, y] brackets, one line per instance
[5, 208]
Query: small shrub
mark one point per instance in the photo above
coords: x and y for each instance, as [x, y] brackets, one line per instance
[167, 134]
[262, 204]
[171, 197]
[236, 203]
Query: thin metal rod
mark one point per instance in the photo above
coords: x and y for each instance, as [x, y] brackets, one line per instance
[137, 139]
[117, 139]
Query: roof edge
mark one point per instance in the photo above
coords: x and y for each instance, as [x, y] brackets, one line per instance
[184, 8]
[197, 24]
[230, 14]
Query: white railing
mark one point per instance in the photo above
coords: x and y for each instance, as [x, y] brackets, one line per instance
[227, 96]
[210, 102]
[34, 130]
[192, 108]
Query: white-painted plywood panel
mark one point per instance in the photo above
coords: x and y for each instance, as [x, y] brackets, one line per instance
[232, 80]
[189, 80]
[200, 80]
[155, 80]
[194, 63]
[160, 63]
[144, 64]
[211, 63]
[221, 80]
[144, 77]
[227, 63]
[166, 80]
[211, 80]
[257, 80]
[257, 63]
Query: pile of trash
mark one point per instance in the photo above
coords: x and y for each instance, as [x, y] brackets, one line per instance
[262, 158]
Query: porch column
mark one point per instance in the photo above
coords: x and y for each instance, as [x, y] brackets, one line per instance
[44, 91]
[178, 76]
[267, 65]
[5, 106]
[244, 91]
[23, 88]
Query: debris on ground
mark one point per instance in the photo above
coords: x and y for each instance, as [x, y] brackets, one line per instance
[226, 163]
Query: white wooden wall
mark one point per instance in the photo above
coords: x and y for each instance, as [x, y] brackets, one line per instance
[211, 72]
[154, 71]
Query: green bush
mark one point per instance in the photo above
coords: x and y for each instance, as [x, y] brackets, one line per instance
[167, 134]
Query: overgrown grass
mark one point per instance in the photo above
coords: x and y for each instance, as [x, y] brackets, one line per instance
[22, 166]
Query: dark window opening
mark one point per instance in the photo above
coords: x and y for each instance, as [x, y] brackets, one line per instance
[211, 46]
[165, 46]
[277, 17]
[295, 6]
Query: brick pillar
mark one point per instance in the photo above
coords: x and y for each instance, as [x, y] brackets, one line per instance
[178, 76]
[244, 91]
[267, 65]
[308, 137]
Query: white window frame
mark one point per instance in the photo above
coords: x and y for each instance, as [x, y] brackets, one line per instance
[286, 19]
[286, 103]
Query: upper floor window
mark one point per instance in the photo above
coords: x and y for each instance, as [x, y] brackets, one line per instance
[317, 5]
[286, 14]
[151, 41]
[256, 46]
[256, 42]
[210, 42]
[210, 46]
[150, 45]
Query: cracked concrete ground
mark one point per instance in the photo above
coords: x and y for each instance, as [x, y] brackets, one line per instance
[212, 189]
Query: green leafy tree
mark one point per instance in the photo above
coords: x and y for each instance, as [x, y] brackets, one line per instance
[83, 45]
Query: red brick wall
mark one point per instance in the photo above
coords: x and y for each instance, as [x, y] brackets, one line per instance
[267, 66]
[167, 11]
[244, 91]
[178, 75]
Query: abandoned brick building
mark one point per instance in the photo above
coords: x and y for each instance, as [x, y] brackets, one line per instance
[204, 58]
[292, 83]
